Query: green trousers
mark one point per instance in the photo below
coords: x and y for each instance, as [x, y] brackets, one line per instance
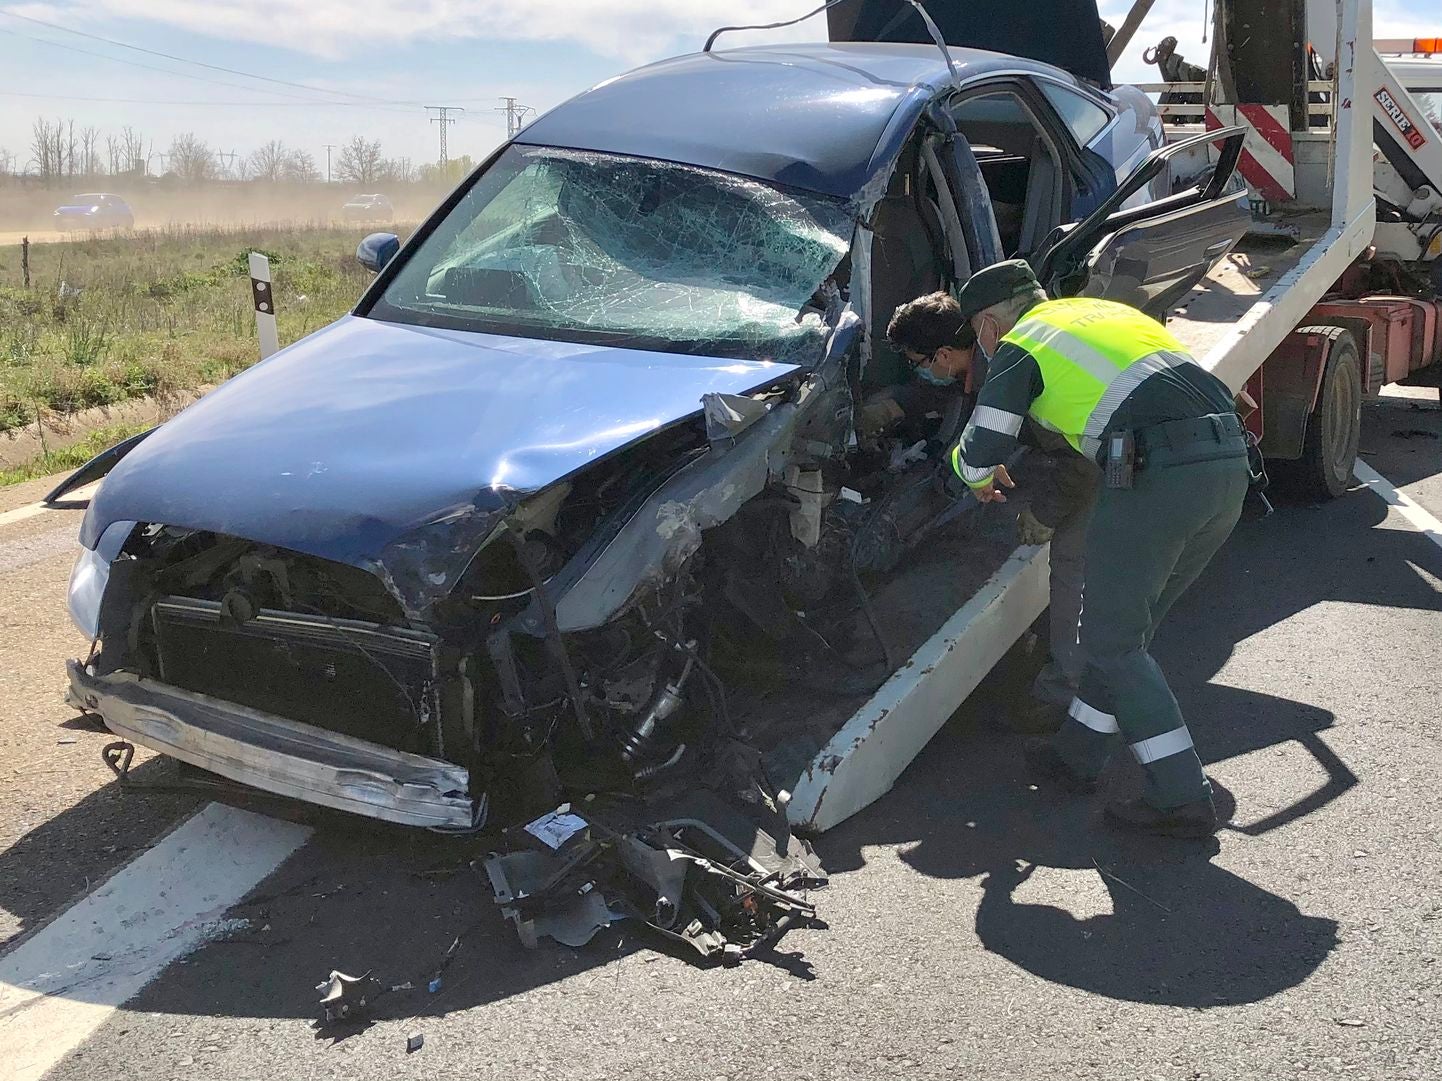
[1145, 545]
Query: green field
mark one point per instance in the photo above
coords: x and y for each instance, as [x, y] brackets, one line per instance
[156, 312]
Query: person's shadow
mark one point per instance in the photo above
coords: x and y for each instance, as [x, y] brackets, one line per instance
[1154, 920]
[1181, 930]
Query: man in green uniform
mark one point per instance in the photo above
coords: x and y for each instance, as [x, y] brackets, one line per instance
[939, 344]
[1124, 392]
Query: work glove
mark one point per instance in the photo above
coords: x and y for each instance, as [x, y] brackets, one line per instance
[1030, 530]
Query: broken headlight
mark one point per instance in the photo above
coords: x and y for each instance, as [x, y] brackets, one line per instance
[89, 576]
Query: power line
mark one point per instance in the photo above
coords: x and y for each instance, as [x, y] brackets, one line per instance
[147, 67]
[228, 104]
[196, 63]
[445, 120]
[296, 98]
[515, 115]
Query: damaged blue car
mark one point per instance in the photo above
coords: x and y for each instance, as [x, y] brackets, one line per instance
[576, 499]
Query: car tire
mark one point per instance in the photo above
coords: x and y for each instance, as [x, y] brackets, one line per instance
[1334, 429]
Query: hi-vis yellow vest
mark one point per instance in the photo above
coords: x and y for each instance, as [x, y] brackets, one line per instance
[1092, 355]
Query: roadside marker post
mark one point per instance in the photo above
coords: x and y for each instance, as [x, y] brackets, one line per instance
[263, 293]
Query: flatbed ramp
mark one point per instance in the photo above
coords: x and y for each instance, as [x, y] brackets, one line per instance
[1230, 322]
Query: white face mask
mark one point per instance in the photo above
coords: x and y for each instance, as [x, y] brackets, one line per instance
[926, 375]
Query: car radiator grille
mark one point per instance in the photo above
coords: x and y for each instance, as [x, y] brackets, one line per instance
[361, 679]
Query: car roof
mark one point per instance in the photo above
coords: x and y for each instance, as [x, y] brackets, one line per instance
[823, 117]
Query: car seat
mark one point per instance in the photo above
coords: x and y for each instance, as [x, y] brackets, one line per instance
[1036, 221]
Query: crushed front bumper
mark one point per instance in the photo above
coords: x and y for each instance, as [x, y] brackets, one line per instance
[276, 754]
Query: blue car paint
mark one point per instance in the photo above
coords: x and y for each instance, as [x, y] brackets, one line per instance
[94, 213]
[376, 250]
[826, 118]
[388, 446]
[355, 439]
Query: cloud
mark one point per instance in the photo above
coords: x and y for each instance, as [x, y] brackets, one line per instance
[628, 30]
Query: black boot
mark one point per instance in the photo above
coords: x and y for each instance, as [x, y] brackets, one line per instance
[1047, 765]
[1033, 717]
[1196, 819]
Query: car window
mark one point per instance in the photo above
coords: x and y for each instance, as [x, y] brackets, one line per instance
[1082, 117]
[581, 246]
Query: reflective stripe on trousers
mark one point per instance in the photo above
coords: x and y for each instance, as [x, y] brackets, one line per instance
[1093, 718]
[1163, 746]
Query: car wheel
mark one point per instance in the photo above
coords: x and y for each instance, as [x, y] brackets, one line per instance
[1335, 427]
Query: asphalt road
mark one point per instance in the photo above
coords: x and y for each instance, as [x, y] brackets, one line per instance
[978, 927]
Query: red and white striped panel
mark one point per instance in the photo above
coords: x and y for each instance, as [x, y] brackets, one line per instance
[1266, 163]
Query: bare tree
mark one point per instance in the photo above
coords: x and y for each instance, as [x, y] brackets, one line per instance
[400, 170]
[191, 158]
[360, 161]
[47, 150]
[72, 156]
[267, 162]
[90, 151]
[132, 150]
[300, 167]
[7, 162]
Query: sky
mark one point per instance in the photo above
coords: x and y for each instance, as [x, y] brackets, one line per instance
[368, 67]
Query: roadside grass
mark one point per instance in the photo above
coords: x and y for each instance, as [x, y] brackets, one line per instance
[156, 312]
[71, 457]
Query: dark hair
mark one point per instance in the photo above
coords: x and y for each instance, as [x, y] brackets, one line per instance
[928, 323]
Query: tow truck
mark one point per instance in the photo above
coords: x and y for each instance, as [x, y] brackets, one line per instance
[1344, 168]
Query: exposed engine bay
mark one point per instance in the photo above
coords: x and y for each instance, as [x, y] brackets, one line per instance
[711, 602]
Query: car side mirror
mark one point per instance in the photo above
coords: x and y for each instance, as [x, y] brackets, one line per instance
[376, 250]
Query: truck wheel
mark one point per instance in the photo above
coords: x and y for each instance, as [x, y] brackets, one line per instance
[1335, 426]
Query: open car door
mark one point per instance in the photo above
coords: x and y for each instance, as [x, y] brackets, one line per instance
[1150, 256]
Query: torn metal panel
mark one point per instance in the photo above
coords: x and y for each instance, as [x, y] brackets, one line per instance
[397, 448]
[572, 919]
[650, 547]
[275, 754]
[684, 878]
[728, 415]
[864, 759]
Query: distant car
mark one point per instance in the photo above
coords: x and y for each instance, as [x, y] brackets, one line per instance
[368, 208]
[95, 210]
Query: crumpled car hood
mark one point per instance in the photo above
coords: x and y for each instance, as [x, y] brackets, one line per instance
[368, 437]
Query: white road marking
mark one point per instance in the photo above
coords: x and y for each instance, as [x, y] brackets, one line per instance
[30, 510]
[1408, 507]
[59, 986]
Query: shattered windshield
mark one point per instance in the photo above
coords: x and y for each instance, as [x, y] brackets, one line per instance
[582, 246]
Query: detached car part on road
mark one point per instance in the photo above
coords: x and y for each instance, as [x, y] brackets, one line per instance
[575, 500]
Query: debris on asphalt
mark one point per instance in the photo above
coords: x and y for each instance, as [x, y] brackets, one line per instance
[1351, 1022]
[346, 998]
[728, 891]
[1413, 433]
[414, 1042]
